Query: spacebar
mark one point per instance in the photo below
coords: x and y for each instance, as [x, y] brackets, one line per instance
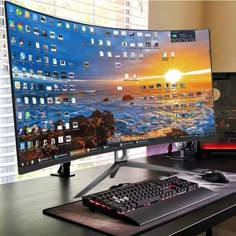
[163, 208]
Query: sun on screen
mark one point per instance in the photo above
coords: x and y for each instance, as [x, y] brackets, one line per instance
[173, 76]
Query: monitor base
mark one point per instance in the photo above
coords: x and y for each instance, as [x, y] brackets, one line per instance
[123, 161]
[64, 171]
[181, 155]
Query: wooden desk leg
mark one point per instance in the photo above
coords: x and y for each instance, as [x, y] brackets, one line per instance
[209, 232]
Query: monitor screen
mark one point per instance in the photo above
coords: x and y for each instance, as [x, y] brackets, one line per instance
[80, 90]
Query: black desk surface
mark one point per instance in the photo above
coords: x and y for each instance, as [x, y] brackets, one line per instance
[21, 203]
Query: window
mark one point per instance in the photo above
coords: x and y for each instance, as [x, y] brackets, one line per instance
[113, 13]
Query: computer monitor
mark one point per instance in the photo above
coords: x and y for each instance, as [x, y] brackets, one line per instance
[80, 90]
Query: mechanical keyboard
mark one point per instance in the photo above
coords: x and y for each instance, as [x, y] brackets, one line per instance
[145, 201]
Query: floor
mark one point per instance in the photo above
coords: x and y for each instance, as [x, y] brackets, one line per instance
[227, 228]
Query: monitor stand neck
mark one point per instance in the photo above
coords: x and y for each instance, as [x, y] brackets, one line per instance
[123, 161]
[185, 154]
[64, 171]
[179, 155]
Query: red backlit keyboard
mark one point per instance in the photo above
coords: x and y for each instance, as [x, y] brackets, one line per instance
[143, 202]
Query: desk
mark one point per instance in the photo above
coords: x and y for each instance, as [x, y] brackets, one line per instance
[21, 203]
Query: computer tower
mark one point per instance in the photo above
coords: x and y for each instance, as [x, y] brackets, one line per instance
[224, 87]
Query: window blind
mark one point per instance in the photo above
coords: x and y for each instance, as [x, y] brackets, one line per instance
[112, 13]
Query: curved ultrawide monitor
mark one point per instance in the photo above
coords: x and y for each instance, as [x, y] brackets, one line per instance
[81, 90]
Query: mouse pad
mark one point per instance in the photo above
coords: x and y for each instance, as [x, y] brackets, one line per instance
[76, 213]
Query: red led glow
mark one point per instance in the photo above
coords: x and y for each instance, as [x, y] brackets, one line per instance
[218, 146]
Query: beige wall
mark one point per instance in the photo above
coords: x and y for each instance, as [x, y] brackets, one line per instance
[175, 14]
[218, 16]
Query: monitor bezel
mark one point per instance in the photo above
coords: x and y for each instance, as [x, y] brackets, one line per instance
[48, 163]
